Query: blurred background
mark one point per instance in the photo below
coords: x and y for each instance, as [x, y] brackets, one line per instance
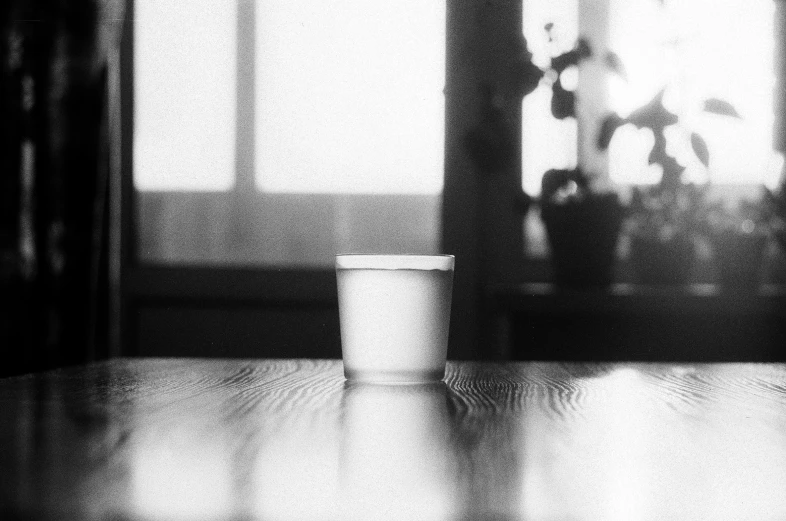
[178, 176]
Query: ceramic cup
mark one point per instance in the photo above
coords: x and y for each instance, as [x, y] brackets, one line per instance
[394, 315]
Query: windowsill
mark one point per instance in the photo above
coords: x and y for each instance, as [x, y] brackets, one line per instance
[637, 301]
[692, 323]
[232, 286]
[634, 299]
[256, 230]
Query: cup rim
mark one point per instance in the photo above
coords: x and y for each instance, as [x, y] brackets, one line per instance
[395, 261]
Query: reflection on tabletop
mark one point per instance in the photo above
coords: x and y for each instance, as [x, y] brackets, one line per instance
[387, 459]
[395, 450]
[145, 439]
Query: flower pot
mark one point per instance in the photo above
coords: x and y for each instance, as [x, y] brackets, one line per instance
[657, 261]
[739, 258]
[582, 236]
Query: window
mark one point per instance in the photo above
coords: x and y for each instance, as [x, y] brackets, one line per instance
[349, 97]
[546, 141]
[241, 109]
[701, 49]
[185, 95]
[279, 134]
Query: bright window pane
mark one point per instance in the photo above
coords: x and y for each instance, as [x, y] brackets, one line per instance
[702, 49]
[184, 100]
[546, 141]
[350, 96]
[348, 130]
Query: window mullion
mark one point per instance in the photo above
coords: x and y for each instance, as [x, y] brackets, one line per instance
[245, 104]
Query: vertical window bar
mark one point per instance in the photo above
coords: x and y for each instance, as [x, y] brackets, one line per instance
[244, 141]
[779, 134]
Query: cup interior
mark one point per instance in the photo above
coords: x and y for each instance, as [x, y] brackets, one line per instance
[394, 262]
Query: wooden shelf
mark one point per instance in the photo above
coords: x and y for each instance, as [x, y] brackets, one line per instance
[632, 299]
[694, 323]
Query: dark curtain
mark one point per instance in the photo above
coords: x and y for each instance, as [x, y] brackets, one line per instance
[54, 171]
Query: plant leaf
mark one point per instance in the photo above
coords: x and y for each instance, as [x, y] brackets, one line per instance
[580, 52]
[584, 48]
[700, 148]
[658, 153]
[528, 77]
[653, 115]
[563, 102]
[721, 107]
[526, 74]
[672, 174]
[614, 63]
[608, 126]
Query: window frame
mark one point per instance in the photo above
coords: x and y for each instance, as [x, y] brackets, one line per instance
[481, 221]
[143, 284]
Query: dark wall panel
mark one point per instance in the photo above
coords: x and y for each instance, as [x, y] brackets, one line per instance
[237, 332]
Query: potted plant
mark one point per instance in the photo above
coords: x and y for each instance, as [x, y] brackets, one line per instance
[581, 215]
[665, 220]
[663, 226]
[582, 220]
[739, 238]
[775, 212]
[582, 226]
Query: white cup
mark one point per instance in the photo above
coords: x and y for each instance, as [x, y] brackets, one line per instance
[394, 314]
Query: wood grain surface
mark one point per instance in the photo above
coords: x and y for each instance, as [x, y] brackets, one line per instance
[182, 439]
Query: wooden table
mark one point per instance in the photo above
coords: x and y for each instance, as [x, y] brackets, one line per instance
[175, 439]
